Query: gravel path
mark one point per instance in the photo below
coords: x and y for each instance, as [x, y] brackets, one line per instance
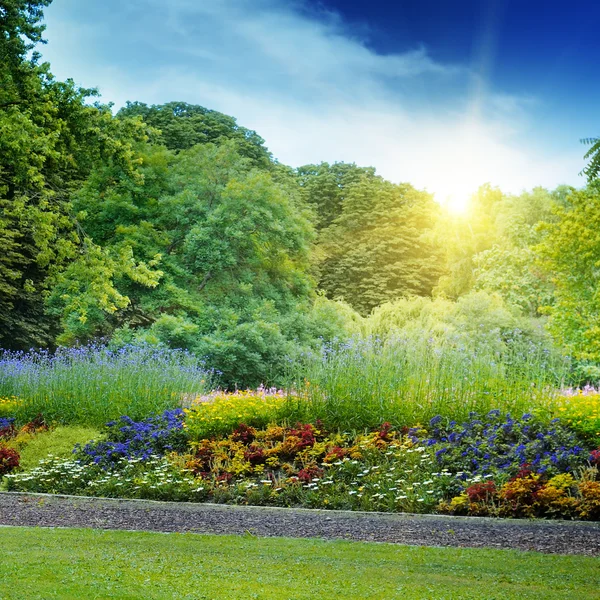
[561, 537]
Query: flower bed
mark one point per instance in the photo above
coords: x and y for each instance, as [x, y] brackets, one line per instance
[489, 465]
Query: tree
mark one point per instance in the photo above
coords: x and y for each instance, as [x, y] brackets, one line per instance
[380, 246]
[325, 186]
[181, 126]
[463, 237]
[49, 141]
[570, 251]
[198, 249]
[592, 169]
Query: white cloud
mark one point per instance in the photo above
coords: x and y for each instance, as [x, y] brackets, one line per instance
[311, 87]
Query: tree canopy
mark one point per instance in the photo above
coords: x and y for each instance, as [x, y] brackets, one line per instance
[173, 224]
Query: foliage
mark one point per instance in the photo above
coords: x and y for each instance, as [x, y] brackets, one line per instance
[219, 413]
[93, 384]
[379, 248]
[325, 188]
[570, 251]
[514, 275]
[8, 405]
[223, 252]
[592, 169]
[7, 427]
[475, 319]
[131, 440]
[182, 126]
[497, 444]
[580, 409]
[49, 142]
[37, 444]
[408, 378]
[9, 459]
[532, 495]
[491, 247]
[155, 479]
[493, 465]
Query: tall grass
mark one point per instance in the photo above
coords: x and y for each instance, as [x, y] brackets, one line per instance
[93, 384]
[409, 380]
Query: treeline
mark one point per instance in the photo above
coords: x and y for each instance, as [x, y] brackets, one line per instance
[174, 225]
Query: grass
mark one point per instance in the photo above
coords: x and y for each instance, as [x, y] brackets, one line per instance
[94, 384]
[58, 441]
[77, 563]
[409, 380]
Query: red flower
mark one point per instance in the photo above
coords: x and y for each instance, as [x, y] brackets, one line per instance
[306, 435]
[385, 431]
[255, 455]
[307, 474]
[9, 459]
[336, 453]
[244, 433]
[481, 492]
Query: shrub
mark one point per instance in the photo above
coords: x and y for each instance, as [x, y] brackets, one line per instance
[580, 409]
[221, 412]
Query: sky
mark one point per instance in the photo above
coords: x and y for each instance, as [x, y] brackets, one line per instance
[444, 94]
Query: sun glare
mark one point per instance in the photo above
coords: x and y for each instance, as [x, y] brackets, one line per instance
[465, 166]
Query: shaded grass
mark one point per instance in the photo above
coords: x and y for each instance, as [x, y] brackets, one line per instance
[77, 563]
[409, 380]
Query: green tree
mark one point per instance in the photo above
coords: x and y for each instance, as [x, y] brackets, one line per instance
[380, 247]
[510, 266]
[181, 126]
[197, 249]
[463, 237]
[49, 142]
[325, 186]
[570, 252]
[592, 169]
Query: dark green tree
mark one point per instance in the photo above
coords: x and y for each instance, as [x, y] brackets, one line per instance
[49, 141]
[181, 126]
[324, 188]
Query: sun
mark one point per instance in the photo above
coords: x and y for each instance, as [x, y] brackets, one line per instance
[462, 170]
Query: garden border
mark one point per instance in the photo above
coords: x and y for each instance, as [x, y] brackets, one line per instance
[51, 510]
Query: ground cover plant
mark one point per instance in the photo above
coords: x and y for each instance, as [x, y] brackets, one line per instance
[38, 562]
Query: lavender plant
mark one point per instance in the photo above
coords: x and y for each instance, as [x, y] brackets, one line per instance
[93, 384]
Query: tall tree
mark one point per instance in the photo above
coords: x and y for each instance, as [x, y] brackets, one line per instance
[181, 126]
[49, 141]
[380, 247]
[325, 186]
[571, 253]
[202, 251]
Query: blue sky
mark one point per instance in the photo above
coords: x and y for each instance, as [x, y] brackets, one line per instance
[444, 94]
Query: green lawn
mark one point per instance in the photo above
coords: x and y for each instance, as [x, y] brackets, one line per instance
[76, 563]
